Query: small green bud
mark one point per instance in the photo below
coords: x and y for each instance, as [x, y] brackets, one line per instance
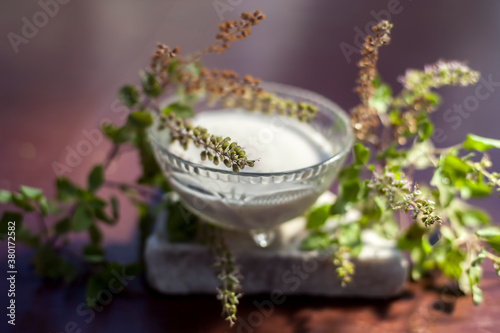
[196, 132]
[189, 125]
[216, 160]
[227, 163]
[236, 168]
[210, 156]
[233, 145]
[203, 155]
[250, 163]
[213, 139]
[225, 144]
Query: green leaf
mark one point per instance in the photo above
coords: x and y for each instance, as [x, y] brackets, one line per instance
[100, 280]
[361, 154]
[5, 196]
[349, 234]
[101, 215]
[474, 218]
[31, 192]
[172, 67]
[433, 98]
[182, 225]
[194, 68]
[94, 286]
[348, 194]
[425, 129]
[109, 130]
[381, 98]
[474, 272]
[128, 95]
[22, 202]
[492, 236]
[150, 86]
[126, 133]
[415, 241]
[63, 226]
[479, 143]
[44, 206]
[317, 217]
[4, 223]
[93, 253]
[417, 255]
[140, 119]
[390, 152]
[471, 189]
[463, 216]
[65, 189]
[451, 266]
[181, 110]
[394, 117]
[455, 164]
[444, 186]
[316, 240]
[49, 264]
[349, 173]
[96, 178]
[82, 219]
[146, 221]
[477, 294]
[488, 232]
[494, 242]
[151, 171]
[25, 236]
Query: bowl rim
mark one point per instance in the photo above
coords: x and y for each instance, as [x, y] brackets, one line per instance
[291, 90]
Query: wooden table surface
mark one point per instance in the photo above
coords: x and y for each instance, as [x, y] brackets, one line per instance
[432, 305]
[63, 79]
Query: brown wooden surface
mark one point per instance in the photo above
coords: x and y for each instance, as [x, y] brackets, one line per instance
[63, 81]
[429, 306]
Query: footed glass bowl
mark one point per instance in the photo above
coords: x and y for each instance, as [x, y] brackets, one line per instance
[253, 201]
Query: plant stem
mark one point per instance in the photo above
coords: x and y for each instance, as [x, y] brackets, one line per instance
[141, 190]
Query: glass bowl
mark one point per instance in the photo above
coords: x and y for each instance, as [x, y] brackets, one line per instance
[253, 201]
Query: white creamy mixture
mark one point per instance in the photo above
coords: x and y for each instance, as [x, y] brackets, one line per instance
[278, 143]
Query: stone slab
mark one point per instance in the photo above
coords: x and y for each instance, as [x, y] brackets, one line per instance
[186, 268]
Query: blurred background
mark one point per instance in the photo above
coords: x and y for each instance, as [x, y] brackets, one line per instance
[60, 71]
